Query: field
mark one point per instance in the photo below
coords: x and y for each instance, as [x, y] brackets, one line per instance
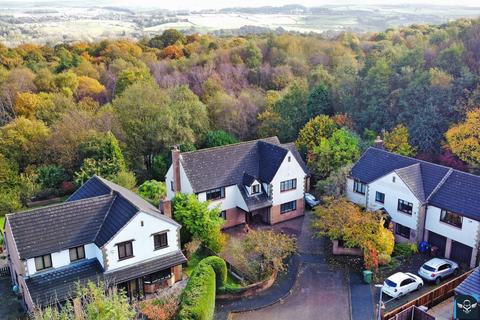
[50, 22]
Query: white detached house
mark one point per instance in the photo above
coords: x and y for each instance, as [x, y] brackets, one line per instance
[261, 179]
[425, 201]
[102, 232]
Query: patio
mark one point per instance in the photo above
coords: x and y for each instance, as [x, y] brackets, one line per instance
[443, 311]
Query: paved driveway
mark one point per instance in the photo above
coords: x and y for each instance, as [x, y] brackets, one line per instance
[318, 293]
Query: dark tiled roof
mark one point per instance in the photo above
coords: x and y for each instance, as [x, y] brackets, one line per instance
[443, 187]
[225, 166]
[54, 228]
[255, 202]
[471, 285]
[119, 214]
[459, 193]
[412, 176]
[84, 218]
[146, 267]
[248, 179]
[60, 284]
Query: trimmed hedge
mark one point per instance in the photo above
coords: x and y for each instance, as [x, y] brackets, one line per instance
[197, 301]
[219, 266]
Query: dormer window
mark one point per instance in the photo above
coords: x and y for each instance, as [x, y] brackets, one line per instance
[255, 189]
[43, 262]
[160, 240]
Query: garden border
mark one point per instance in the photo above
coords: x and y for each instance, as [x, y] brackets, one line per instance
[251, 289]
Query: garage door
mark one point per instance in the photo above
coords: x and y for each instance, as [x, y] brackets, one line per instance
[461, 253]
[438, 241]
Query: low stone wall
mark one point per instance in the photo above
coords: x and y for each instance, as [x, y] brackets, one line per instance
[251, 289]
[339, 250]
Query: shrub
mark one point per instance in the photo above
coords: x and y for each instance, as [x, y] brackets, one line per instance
[220, 268]
[197, 301]
[162, 307]
[261, 253]
[404, 249]
[384, 259]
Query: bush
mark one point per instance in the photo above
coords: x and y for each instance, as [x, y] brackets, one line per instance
[220, 268]
[404, 249]
[197, 301]
[153, 191]
[161, 307]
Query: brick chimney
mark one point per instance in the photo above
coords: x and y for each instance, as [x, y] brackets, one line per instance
[378, 143]
[177, 187]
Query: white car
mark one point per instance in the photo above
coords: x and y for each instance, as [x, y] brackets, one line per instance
[401, 283]
[437, 269]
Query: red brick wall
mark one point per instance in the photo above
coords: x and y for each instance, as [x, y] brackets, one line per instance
[276, 216]
[235, 217]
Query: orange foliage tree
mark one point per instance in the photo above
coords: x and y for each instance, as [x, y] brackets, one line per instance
[172, 52]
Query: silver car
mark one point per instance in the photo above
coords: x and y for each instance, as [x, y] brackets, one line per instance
[437, 269]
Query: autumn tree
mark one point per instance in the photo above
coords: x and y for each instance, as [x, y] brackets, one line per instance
[253, 55]
[397, 141]
[23, 141]
[130, 76]
[464, 138]
[9, 186]
[88, 87]
[167, 38]
[341, 219]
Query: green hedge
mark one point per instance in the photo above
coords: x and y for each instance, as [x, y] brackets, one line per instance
[197, 301]
[219, 266]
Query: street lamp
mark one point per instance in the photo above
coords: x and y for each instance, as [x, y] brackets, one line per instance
[380, 302]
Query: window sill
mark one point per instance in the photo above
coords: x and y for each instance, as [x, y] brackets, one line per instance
[126, 258]
[380, 202]
[216, 199]
[76, 260]
[288, 190]
[451, 225]
[359, 192]
[44, 269]
[160, 248]
[405, 213]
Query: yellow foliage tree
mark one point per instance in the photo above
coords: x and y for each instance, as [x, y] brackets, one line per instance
[397, 141]
[26, 104]
[464, 138]
[88, 87]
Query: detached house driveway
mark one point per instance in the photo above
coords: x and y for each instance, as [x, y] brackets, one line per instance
[318, 291]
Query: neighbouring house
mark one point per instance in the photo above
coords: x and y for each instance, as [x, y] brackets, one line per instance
[261, 179]
[470, 286]
[102, 232]
[425, 201]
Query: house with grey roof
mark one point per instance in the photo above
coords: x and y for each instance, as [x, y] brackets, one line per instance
[260, 179]
[102, 232]
[425, 201]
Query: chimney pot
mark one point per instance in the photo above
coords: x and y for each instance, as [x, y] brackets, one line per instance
[378, 143]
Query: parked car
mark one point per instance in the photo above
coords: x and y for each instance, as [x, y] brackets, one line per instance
[311, 201]
[437, 269]
[401, 283]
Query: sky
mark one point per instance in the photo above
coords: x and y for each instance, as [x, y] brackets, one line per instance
[218, 4]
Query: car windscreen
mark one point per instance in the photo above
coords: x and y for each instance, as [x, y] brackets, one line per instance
[309, 197]
[390, 283]
[428, 268]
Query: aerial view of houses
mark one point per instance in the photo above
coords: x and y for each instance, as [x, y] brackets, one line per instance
[242, 161]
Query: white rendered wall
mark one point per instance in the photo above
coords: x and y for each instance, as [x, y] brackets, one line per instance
[287, 171]
[466, 235]
[353, 196]
[394, 191]
[185, 185]
[62, 258]
[143, 247]
[233, 198]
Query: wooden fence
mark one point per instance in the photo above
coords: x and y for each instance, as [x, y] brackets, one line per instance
[430, 298]
[4, 272]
